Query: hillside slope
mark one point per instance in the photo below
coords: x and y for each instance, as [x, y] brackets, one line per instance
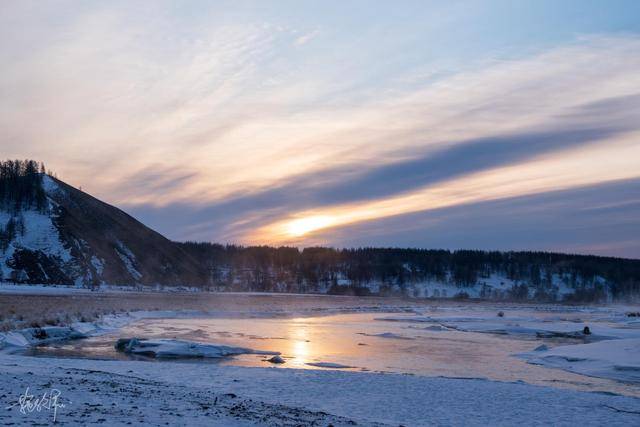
[75, 238]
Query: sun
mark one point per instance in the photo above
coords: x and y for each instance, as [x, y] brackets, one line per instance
[300, 227]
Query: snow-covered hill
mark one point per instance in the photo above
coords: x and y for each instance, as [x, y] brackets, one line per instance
[78, 239]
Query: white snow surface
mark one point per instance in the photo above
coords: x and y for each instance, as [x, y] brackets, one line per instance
[613, 359]
[98, 264]
[519, 325]
[128, 259]
[36, 336]
[49, 185]
[40, 289]
[176, 349]
[108, 323]
[12, 288]
[197, 394]
[329, 365]
[40, 233]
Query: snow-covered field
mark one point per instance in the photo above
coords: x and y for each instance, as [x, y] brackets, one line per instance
[325, 390]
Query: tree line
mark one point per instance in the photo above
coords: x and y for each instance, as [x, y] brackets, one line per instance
[21, 185]
[396, 271]
[21, 188]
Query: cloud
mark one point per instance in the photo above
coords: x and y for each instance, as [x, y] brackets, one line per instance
[435, 165]
[214, 128]
[464, 161]
[155, 179]
[435, 156]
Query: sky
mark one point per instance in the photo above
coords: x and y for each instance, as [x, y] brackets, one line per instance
[510, 125]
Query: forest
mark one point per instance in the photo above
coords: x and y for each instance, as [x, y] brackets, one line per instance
[395, 270]
[21, 185]
[20, 189]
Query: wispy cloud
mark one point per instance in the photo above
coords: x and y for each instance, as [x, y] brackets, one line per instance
[571, 137]
[231, 123]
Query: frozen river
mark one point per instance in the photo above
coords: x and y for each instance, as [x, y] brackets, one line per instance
[456, 340]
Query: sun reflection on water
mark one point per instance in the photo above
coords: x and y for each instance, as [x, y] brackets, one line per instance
[299, 335]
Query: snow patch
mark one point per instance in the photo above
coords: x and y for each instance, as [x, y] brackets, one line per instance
[174, 349]
[98, 264]
[390, 335]
[41, 235]
[37, 232]
[37, 336]
[613, 359]
[129, 260]
[525, 326]
[329, 365]
[49, 185]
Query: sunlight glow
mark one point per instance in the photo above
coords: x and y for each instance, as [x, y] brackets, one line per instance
[302, 226]
[299, 336]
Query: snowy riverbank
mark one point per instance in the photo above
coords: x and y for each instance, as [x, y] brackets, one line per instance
[614, 359]
[115, 393]
[151, 392]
